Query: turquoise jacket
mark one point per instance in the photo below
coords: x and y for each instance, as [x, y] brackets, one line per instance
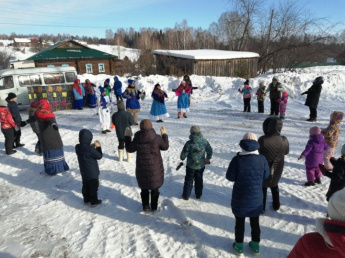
[195, 149]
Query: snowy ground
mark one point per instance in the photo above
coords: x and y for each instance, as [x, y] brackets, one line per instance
[44, 216]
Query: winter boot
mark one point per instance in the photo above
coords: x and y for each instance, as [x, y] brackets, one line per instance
[254, 246]
[121, 154]
[276, 202]
[311, 183]
[238, 248]
[145, 196]
[317, 181]
[154, 200]
[129, 157]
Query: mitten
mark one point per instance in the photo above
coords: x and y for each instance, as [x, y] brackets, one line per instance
[16, 128]
[207, 161]
[55, 126]
[97, 144]
[23, 123]
[128, 132]
[163, 130]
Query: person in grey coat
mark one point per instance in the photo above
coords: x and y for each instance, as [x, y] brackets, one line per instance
[149, 169]
[274, 147]
[122, 119]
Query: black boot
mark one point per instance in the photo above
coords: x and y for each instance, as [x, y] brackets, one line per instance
[145, 199]
[276, 202]
[154, 199]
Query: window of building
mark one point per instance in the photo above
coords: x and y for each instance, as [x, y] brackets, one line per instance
[51, 65]
[65, 65]
[101, 68]
[88, 68]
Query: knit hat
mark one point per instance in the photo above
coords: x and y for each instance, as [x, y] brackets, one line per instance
[120, 105]
[314, 130]
[250, 136]
[246, 82]
[11, 95]
[107, 80]
[275, 78]
[336, 206]
[145, 124]
[285, 94]
[130, 81]
[3, 103]
[343, 150]
[195, 129]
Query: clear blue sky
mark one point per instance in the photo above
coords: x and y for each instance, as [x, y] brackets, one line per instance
[93, 17]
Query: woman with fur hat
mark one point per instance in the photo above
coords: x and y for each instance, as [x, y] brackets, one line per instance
[53, 154]
[260, 93]
[313, 97]
[133, 95]
[158, 108]
[247, 94]
[248, 169]
[79, 93]
[8, 127]
[275, 89]
[313, 154]
[198, 152]
[329, 238]
[149, 169]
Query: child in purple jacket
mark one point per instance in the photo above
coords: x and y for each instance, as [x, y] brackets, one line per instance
[313, 154]
[282, 104]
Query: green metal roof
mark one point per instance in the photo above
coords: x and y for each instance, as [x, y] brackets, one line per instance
[54, 53]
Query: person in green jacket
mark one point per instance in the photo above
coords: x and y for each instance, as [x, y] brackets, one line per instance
[198, 152]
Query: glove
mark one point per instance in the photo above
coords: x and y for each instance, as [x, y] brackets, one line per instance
[55, 126]
[207, 161]
[23, 123]
[163, 130]
[322, 169]
[128, 132]
[239, 90]
[16, 128]
[179, 166]
[301, 157]
[97, 144]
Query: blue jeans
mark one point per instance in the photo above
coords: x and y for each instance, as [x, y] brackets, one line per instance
[193, 175]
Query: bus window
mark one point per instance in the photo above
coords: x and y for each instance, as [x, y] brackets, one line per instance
[6, 83]
[53, 78]
[24, 80]
[70, 77]
[35, 79]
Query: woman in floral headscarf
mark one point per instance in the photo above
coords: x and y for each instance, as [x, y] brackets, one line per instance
[53, 154]
[158, 109]
[79, 94]
[183, 92]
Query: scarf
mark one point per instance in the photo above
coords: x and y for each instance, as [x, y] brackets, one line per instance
[44, 112]
[76, 86]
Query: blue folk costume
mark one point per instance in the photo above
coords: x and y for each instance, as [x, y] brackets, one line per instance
[158, 108]
[118, 88]
[133, 95]
[91, 95]
[183, 92]
[79, 94]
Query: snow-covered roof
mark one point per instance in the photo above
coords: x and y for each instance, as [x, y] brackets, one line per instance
[206, 54]
[22, 40]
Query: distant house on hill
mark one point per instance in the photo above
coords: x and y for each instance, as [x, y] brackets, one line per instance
[22, 42]
[208, 62]
[83, 58]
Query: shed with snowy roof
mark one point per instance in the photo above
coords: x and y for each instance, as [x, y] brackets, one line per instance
[207, 62]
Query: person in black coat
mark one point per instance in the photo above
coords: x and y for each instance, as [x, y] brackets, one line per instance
[88, 154]
[122, 119]
[313, 98]
[13, 108]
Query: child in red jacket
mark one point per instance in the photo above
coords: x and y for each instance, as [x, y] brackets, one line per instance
[8, 127]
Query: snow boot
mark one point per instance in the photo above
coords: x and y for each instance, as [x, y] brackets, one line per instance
[276, 202]
[121, 154]
[154, 200]
[254, 246]
[238, 248]
[317, 181]
[129, 157]
[145, 200]
[311, 183]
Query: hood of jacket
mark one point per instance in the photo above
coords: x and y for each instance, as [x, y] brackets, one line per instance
[195, 136]
[145, 136]
[272, 126]
[318, 138]
[249, 145]
[337, 117]
[85, 136]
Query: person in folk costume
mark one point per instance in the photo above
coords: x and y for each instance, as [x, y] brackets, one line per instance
[122, 119]
[8, 127]
[117, 89]
[91, 95]
[149, 170]
[313, 97]
[260, 93]
[53, 153]
[187, 79]
[158, 108]
[133, 95]
[275, 89]
[183, 92]
[107, 87]
[104, 112]
[247, 95]
[78, 91]
[282, 104]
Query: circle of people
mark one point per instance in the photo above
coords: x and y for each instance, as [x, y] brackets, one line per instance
[257, 167]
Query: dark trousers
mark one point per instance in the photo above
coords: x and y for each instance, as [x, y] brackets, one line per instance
[89, 190]
[9, 139]
[38, 147]
[119, 98]
[246, 103]
[274, 107]
[313, 112]
[275, 194]
[145, 198]
[121, 144]
[261, 108]
[17, 135]
[239, 229]
[191, 176]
